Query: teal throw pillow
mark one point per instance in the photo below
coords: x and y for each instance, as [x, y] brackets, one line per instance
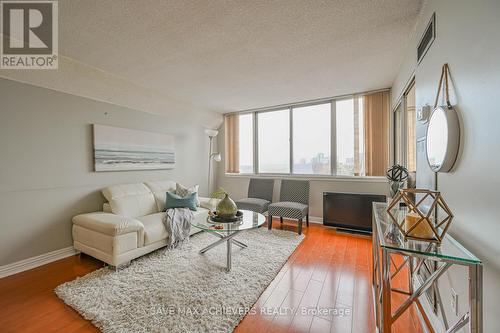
[175, 201]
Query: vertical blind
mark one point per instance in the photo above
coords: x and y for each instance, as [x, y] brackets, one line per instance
[232, 149]
[376, 133]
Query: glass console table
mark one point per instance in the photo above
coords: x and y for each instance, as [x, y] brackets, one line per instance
[392, 255]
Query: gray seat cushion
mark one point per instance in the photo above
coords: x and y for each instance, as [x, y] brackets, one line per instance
[253, 204]
[261, 188]
[292, 210]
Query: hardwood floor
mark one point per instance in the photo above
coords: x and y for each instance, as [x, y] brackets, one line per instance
[328, 271]
[28, 302]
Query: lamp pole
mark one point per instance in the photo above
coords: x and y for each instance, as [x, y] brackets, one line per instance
[212, 133]
[209, 163]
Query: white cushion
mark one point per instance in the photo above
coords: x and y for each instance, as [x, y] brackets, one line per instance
[154, 229]
[200, 216]
[107, 223]
[111, 225]
[130, 200]
[184, 191]
[106, 207]
[209, 203]
[200, 213]
[106, 243]
[159, 189]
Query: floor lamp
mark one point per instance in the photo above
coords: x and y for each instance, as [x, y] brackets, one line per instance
[211, 156]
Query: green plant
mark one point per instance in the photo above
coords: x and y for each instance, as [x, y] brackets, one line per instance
[220, 193]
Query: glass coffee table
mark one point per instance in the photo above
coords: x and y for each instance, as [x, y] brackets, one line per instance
[227, 231]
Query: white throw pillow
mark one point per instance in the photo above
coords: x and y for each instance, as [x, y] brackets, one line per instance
[159, 189]
[130, 200]
[183, 191]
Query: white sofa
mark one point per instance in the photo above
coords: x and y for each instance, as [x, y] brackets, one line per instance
[131, 223]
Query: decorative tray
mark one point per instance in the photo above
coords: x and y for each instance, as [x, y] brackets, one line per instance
[213, 217]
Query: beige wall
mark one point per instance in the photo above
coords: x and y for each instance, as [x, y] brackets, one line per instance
[46, 169]
[237, 186]
[468, 34]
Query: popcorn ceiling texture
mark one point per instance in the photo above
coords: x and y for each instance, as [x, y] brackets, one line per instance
[226, 55]
[162, 291]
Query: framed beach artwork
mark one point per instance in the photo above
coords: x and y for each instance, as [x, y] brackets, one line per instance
[121, 149]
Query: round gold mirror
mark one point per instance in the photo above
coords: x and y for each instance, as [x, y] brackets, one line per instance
[443, 139]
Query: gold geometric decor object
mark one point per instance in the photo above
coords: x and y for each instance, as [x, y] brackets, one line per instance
[418, 225]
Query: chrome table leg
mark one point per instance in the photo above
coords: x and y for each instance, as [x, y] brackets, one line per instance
[211, 246]
[386, 322]
[229, 241]
[236, 242]
[475, 299]
[459, 324]
[228, 261]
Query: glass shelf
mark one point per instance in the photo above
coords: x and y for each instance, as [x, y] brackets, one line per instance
[390, 237]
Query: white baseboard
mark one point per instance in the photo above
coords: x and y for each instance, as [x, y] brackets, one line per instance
[312, 219]
[26, 264]
[315, 219]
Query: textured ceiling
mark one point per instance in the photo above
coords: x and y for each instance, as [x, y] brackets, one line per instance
[234, 55]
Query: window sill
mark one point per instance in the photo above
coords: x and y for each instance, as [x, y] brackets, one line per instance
[367, 179]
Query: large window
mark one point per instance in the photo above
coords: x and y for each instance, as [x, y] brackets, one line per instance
[274, 141]
[338, 137]
[311, 139]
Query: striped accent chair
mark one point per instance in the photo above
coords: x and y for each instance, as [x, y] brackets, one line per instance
[293, 204]
[260, 195]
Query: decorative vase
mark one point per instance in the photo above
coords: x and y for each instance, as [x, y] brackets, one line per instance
[226, 207]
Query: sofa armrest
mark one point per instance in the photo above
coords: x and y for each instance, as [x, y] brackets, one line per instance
[109, 224]
[208, 203]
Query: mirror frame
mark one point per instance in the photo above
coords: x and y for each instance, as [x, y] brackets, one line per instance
[451, 154]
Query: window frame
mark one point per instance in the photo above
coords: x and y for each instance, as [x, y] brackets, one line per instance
[332, 159]
[256, 140]
[399, 123]
[333, 134]
[333, 141]
[402, 107]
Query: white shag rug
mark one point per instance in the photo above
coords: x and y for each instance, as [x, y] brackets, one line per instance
[182, 290]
